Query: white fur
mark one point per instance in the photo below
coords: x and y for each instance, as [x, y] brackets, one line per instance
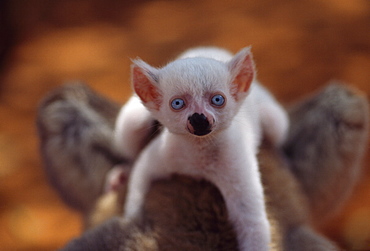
[226, 157]
[132, 125]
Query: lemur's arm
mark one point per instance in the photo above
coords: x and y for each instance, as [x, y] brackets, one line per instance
[325, 145]
[75, 126]
[134, 128]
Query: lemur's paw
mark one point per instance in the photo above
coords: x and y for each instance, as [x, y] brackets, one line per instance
[116, 178]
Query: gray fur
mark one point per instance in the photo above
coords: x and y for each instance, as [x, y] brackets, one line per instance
[326, 145]
[75, 127]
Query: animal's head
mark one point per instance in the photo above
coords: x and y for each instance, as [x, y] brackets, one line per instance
[196, 95]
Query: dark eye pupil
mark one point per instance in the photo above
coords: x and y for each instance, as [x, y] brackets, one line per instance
[177, 104]
[218, 100]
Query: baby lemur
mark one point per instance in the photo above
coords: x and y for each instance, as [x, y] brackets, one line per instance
[213, 113]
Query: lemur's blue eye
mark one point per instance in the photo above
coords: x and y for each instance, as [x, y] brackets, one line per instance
[177, 104]
[218, 100]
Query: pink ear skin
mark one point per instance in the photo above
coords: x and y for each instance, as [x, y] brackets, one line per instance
[242, 71]
[144, 82]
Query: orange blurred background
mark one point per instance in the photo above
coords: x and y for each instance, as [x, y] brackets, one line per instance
[298, 46]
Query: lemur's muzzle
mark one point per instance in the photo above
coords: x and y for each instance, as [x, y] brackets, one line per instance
[199, 125]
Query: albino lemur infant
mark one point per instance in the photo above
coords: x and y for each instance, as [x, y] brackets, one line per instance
[213, 114]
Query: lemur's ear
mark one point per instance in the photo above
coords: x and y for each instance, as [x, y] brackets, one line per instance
[242, 72]
[145, 84]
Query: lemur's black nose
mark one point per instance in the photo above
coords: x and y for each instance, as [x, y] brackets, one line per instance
[199, 124]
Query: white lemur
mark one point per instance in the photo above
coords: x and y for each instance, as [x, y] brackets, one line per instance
[213, 113]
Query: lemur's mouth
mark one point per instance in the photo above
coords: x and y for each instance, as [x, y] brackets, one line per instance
[198, 124]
